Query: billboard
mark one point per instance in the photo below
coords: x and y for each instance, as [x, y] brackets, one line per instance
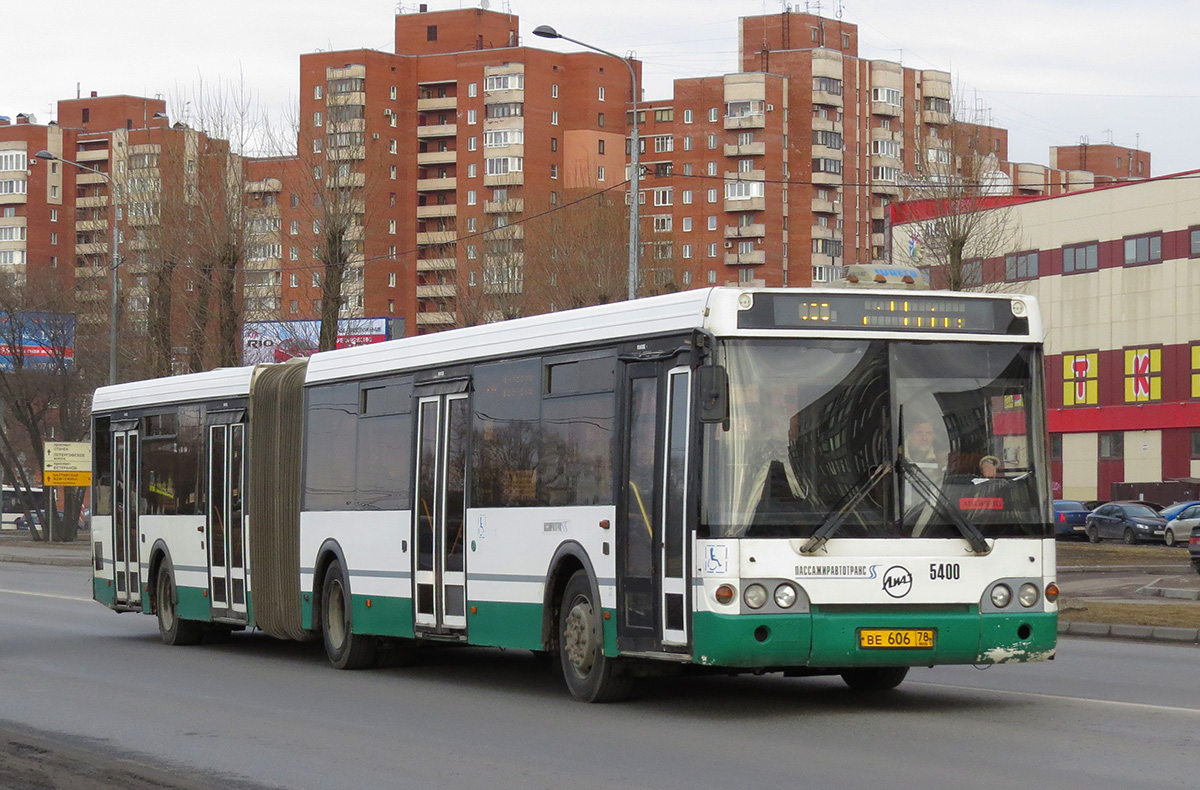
[278, 341]
[37, 341]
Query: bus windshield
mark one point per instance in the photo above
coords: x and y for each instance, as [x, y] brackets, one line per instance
[885, 438]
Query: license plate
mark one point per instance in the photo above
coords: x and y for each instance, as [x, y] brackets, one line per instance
[896, 638]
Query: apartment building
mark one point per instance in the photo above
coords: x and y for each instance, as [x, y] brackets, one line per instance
[37, 214]
[1115, 269]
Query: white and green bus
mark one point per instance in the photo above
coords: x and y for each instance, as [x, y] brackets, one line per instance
[718, 479]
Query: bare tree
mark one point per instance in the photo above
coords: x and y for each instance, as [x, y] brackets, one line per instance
[957, 199]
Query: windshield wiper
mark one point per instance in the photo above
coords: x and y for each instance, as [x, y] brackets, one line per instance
[835, 518]
[935, 499]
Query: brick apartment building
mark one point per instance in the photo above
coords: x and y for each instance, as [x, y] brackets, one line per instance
[445, 155]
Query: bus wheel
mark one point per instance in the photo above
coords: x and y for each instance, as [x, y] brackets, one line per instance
[172, 629]
[874, 678]
[591, 676]
[346, 649]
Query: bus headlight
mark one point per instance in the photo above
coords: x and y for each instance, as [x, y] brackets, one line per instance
[1001, 596]
[1028, 595]
[755, 596]
[785, 596]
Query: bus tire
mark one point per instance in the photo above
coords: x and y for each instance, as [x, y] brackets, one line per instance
[172, 629]
[874, 678]
[591, 676]
[346, 649]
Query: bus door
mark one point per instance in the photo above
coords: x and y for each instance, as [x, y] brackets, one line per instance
[653, 583]
[126, 482]
[443, 422]
[225, 523]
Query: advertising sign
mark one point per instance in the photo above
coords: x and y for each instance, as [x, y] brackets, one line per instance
[278, 341]
[37, 341]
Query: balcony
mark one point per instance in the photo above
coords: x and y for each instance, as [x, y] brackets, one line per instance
[94, 248]
[750, 149]
[98, 155]
[436, 264]
[823, 232]
[885, 109]
[266, 185]
[444, 210]
[510, 206]
[436, 184]
[827, 178]
[752, 175]
[935, 117]
[437, 158]
[746, 204]
[879, 212]
[745, 231]
[821, 259]
[95, 224]
[91, 178]
[745, 258]
[348, 180]
[437, 130]
[434, 104]
[435, 319]
[439, 291]
[826, 125]
[506, 233]
[825, 97]
[505, 180]
[91, 202]
[352, 125]
[345, 99]
[346, 153]
[825, 152]
[877, 239]
[826, 206]
[753, 121]
[437, 237]
[885, 188]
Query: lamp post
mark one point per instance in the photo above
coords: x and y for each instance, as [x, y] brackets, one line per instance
[114, 259]
[635, 175]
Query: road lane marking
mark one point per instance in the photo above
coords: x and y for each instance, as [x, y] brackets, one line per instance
[46, 595]
[1063, 698]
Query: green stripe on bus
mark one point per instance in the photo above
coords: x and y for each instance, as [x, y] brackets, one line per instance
[104, 592]
[194, 604]
[502, 624]
[384, 617]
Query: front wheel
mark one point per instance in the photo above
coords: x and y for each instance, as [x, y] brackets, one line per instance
[1130, 538]
[874, 678]
[171, 628]
[1169, 538]
[346, 649]
[1093, 534]
[591, 676]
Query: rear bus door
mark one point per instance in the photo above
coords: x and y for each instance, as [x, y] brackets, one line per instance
[126, 482]
[225, 522]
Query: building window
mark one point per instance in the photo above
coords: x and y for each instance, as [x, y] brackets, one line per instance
[744, 190]
[1195, 350]
[687, 224]
[554, 171]
[828, 85]
[712, 196]
[1143, 375]
[317, 119]
[471, 170]
[318, 90]
[663, 196]
[470, 197]
[712, 142]
[392, 172]
[1194, 233]
[890, 96]
[1081, 257]
[392, 252]
[431, 33]
[294, 255]
[554, 117]
[600, 173]
[54, 215]
[391, 279]
[1143, 249]
[1112, 446]
[687, 197]
[687, 251]
[712, 250]
[600, 93]
[600, 119]
[599, 147]
[687, 116]
[712, 223]
[662, 223]
[713, 114]
[1081, 378]
[554, 91]
[1021, 266]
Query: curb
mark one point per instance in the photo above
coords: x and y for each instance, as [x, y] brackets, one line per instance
[1174, 593]
[1126, 568]
[1156, 633]
[81, 562]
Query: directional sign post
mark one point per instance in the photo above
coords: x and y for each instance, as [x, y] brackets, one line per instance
[66, 464]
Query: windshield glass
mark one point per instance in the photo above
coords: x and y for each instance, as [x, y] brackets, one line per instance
[1141, 511]
[812, 438]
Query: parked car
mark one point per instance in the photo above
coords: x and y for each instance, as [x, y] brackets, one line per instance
[1194, 548]
[1070, 517]
[22, 523]
[1185, 522]
[1129, 521]
[1172, 512]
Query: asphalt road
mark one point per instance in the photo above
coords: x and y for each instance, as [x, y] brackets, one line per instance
[99, 694]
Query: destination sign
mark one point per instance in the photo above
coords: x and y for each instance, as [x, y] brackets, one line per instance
[902, 313]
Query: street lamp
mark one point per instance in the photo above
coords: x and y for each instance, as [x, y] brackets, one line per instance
[114, 259]
[635, 176]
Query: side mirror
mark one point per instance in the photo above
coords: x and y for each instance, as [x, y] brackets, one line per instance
[712, 393]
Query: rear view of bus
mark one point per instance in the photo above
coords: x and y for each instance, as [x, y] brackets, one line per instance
[875, 495]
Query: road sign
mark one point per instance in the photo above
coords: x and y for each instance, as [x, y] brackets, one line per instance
[68, 464]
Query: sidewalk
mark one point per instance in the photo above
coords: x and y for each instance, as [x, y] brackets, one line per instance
[17, 546]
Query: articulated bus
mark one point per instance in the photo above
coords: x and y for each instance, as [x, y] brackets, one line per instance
[13, 504]
[812, 482]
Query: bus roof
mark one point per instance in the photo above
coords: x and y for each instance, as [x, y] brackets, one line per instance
[207, 386]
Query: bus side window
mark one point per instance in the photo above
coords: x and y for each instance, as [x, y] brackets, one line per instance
[102, 440]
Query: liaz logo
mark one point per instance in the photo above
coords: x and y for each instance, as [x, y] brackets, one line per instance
[897, 582]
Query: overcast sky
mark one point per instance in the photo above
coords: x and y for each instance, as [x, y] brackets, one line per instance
[1051, 72]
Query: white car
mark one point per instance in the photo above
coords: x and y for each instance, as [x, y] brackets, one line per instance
[1180, 528]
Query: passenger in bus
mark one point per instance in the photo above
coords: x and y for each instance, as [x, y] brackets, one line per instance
[989, 466]
[919, 448]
